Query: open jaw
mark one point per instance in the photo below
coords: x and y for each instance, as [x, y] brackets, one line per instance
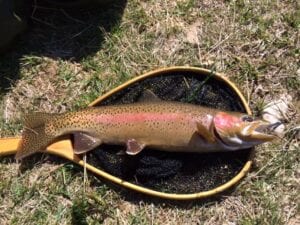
[265, 132]
[267, 129]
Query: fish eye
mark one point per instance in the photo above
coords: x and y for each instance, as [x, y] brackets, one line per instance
[247, 118]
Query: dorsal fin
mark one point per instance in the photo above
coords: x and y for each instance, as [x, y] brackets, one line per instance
[148, 96]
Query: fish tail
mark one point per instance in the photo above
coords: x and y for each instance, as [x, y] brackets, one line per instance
[34, 138]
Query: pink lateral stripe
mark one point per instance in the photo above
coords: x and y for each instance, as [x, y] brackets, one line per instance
[138, 117]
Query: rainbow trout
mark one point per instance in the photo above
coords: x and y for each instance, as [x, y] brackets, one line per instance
[169, 126]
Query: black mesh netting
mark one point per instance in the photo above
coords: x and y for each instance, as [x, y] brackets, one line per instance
[174, 172]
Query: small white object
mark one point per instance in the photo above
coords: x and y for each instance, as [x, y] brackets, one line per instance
[277, 111]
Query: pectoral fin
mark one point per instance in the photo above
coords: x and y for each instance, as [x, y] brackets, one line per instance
[205, 133]
[133, 147]
[84, 142]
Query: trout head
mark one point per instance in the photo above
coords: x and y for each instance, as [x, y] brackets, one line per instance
[238, 131]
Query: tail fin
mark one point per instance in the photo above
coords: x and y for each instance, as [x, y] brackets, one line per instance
[34, 138]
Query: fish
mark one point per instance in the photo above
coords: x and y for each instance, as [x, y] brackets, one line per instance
[150, 122]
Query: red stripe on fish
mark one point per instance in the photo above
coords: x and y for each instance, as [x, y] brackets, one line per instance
[139, 117]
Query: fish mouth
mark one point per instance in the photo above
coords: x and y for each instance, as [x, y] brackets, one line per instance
[267, 129]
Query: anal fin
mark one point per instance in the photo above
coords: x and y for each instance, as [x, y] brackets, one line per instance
[84, 142]
[133, 147]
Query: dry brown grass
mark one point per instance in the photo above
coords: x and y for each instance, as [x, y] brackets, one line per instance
[255, 43]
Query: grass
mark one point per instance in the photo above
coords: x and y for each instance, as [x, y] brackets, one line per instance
[68, 59]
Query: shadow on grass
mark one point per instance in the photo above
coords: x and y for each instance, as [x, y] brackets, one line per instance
[60, 33]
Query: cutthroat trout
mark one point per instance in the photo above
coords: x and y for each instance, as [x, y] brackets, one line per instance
[169, 126]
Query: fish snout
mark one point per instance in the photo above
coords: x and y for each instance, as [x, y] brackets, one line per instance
[265, 131]
[268, 128]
